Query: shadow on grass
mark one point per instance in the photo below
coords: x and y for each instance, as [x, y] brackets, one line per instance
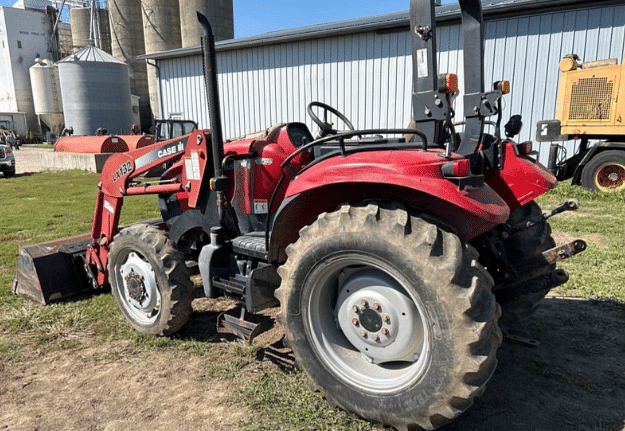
[203, 325]
[18, 175]
[573, 380]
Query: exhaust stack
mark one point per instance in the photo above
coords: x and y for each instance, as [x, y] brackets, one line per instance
[212, 94]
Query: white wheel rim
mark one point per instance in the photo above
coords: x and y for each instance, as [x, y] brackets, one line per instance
[400, 354]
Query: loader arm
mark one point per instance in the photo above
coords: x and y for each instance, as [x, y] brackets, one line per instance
[120, 178]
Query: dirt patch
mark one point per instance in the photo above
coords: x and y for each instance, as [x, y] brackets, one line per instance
[564, 238]
[16, 237]
[573, 380]
[82, 391]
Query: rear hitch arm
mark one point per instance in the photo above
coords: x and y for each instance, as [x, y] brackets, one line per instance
[564, 251]
[569, 205]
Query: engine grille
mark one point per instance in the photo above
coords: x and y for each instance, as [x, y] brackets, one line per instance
[2, 154]
[591, 99]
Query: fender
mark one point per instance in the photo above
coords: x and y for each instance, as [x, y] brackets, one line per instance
[401, 176]
[521, 180]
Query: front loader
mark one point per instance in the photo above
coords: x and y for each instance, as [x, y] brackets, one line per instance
[390, 252]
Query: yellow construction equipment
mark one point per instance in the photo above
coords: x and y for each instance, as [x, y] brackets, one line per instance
[590, 106]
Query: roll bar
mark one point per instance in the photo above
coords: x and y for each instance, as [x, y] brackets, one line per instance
[431, 108]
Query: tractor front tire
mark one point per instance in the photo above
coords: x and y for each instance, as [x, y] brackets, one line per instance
[605, 172]
[391, 317]
[150, 280]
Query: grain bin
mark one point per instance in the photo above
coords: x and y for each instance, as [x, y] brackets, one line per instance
[127, 42]
[161, 31]
[44, 80]
[95, 88]
[80, 18]
[220, 14]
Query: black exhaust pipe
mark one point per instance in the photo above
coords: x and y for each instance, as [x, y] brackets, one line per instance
[212, 93]
[219, 183]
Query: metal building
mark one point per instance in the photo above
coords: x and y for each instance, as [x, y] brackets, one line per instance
[25, 34]
[363, 67]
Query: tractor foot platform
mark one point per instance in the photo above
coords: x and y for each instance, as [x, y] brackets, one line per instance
[244, 329]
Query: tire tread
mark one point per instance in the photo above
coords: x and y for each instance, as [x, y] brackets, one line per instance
[448, 258]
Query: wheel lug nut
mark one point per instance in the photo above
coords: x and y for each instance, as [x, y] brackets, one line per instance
[386, 318]
[376, 337]
[356, 309]
[365, 303]
[364, 334]
[385, 331]
[377, 306]
[355, 321]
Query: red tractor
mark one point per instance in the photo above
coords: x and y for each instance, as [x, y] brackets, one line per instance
[391, 253]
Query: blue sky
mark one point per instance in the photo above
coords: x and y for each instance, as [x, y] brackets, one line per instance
[255, 17]
[252, 17]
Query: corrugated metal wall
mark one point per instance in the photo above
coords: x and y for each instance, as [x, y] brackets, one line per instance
[368, 76]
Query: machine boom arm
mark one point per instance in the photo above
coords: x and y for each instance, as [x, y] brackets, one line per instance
[118, 179]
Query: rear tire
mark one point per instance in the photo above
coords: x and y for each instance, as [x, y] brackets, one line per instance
[149, 280]
[422, 344]
[605, 172]
[525, 246]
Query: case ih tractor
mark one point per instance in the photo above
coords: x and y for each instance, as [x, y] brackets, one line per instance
[391, 253]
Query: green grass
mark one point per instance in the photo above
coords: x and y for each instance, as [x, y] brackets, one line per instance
[598, 272]
[276, 407]
[48, 206]
[52, 205]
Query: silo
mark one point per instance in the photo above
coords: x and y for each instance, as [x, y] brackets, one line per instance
[80, 18]
[126, 43]
[161, 31]
[44, 79]
[220, 13]
[95, 88]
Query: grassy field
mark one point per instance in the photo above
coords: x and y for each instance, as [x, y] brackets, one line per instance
[598, 272]
[46, 206]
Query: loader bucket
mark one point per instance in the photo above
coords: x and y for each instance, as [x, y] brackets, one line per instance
[53, 270]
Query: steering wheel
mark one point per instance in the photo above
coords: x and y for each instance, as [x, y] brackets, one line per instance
[326, 128]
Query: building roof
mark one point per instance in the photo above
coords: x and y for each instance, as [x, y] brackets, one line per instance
[447, 12]
[91, 53]
[32, 4]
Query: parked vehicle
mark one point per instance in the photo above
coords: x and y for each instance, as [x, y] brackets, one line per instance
[588, 108]
[7, 160]
[166, 129]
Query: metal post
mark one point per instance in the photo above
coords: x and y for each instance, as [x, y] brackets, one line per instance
[473, 32]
